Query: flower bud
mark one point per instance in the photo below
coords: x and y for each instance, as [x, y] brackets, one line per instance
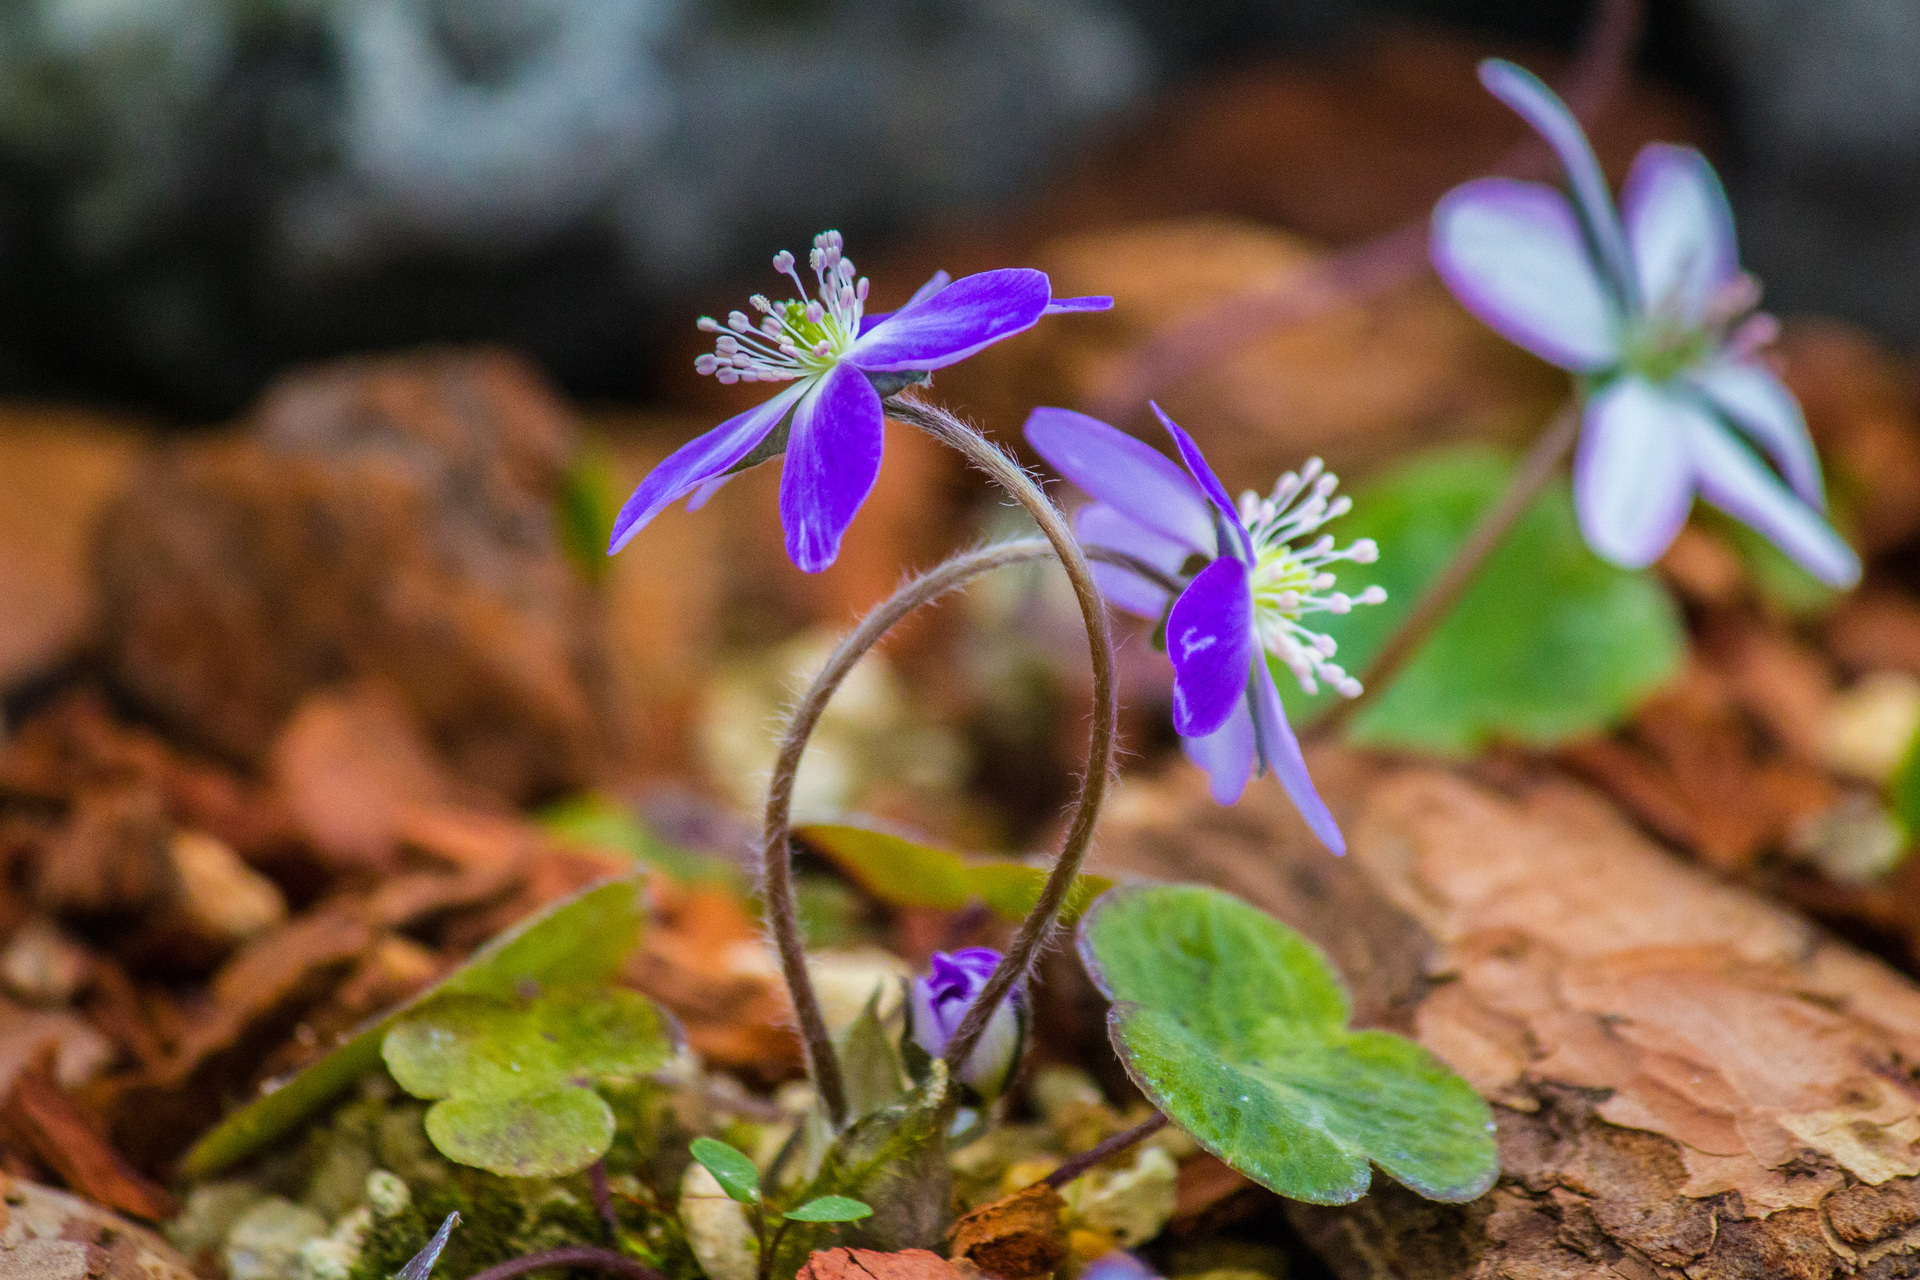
[937, 1002]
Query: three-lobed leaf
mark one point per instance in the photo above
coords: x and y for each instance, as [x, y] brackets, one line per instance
[511, 1077]
[732, 1168]
[1547, 644]
[1236, 1027]
[904, 873]
[831, 1209]
[583, 938]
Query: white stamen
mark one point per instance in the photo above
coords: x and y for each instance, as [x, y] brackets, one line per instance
[797, 339]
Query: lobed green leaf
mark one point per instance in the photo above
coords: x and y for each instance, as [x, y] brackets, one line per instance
[903, 873]
[831, 1209]
[1549, 642]
[1236, 1027]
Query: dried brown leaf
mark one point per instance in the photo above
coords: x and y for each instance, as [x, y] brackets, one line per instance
[1018, 1238]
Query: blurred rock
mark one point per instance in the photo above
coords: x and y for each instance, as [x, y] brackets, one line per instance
[245, 185]
[388, 518]
[58, 468]
[50, 1235]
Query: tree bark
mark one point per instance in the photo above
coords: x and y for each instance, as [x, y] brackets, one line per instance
[1689, 1081]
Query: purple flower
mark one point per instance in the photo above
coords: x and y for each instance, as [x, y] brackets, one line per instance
[829, 423]
[1653, 313]
[937, 1003]
[1247, 597]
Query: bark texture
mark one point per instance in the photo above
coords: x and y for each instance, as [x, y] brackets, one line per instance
[1689, 1081]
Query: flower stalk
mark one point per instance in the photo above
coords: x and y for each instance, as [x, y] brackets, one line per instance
[777, 845]
[1537, 470]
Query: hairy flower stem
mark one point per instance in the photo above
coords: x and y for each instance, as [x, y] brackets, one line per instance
[776, 847]
[1537, 469]
[1039, 923]
[1103, 1151]
[579, 1255]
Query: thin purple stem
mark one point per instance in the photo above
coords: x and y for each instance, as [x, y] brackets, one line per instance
[603, 1198]
[1103, 1151]
[573, 1255]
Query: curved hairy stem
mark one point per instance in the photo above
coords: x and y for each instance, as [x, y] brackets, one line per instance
[1039, 923]
[1106, 1150]
[776, 846]
[1536, 469]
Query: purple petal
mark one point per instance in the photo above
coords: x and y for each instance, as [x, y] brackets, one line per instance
[833, 458]
[1127, 474]
[1099, 525]
[1760, 405]
[1204, 477]
[1632, 475]
[948, 326]
[700, 496]
[1680, 230]
[935, 283]
[1059, 305]
[1226, 754]
[699, 460]
[1280, 752]
[1734, 480]
[1514, 254]
[1541, 107]
[1210, 642]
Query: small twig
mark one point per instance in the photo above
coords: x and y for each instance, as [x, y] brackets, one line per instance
[1039, 923]
[1373, 267]
[1101, 1152]
[573, 1255]
[603, 1198]
[1536, 470]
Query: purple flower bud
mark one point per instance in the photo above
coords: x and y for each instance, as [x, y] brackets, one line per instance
[937, 1002]
[1118, 1264]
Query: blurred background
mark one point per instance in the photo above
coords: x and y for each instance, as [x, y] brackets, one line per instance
[196, 193]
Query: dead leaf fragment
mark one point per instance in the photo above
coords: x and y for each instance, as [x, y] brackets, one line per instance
[41, 1117]
[1018, 1238]
[871, 1264]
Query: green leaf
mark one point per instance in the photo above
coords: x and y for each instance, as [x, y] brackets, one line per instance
[905, 874]
[599, 822]
[583, 939]
[733, 1169]
[1549, 642]
[543, 1134]
[1236, 1028]
[479, 1046]
[512, 1075]
[1903, 793]
[585, 508]
[870, 1066]
[831, 1209]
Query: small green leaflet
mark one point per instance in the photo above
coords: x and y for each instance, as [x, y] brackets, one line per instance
[733, 1169]
[905, 874]
[1547, 644]
[1236, 1027]
[831, 1209]
[584, 938]
[585, 508]
[511, 1077]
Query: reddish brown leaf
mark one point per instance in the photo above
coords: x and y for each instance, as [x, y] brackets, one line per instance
[41, 1117]
[871, 1264]
[1018, 1238]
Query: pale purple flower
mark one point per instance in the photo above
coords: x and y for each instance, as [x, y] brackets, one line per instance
[1246, 589]
[1648, 305]
[937, 1002]
[840, 362]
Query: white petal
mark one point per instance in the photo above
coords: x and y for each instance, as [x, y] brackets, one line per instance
[1633, 473]
[1734, 480]
[1680, 230]
[1760, 405]
[1514, 254]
